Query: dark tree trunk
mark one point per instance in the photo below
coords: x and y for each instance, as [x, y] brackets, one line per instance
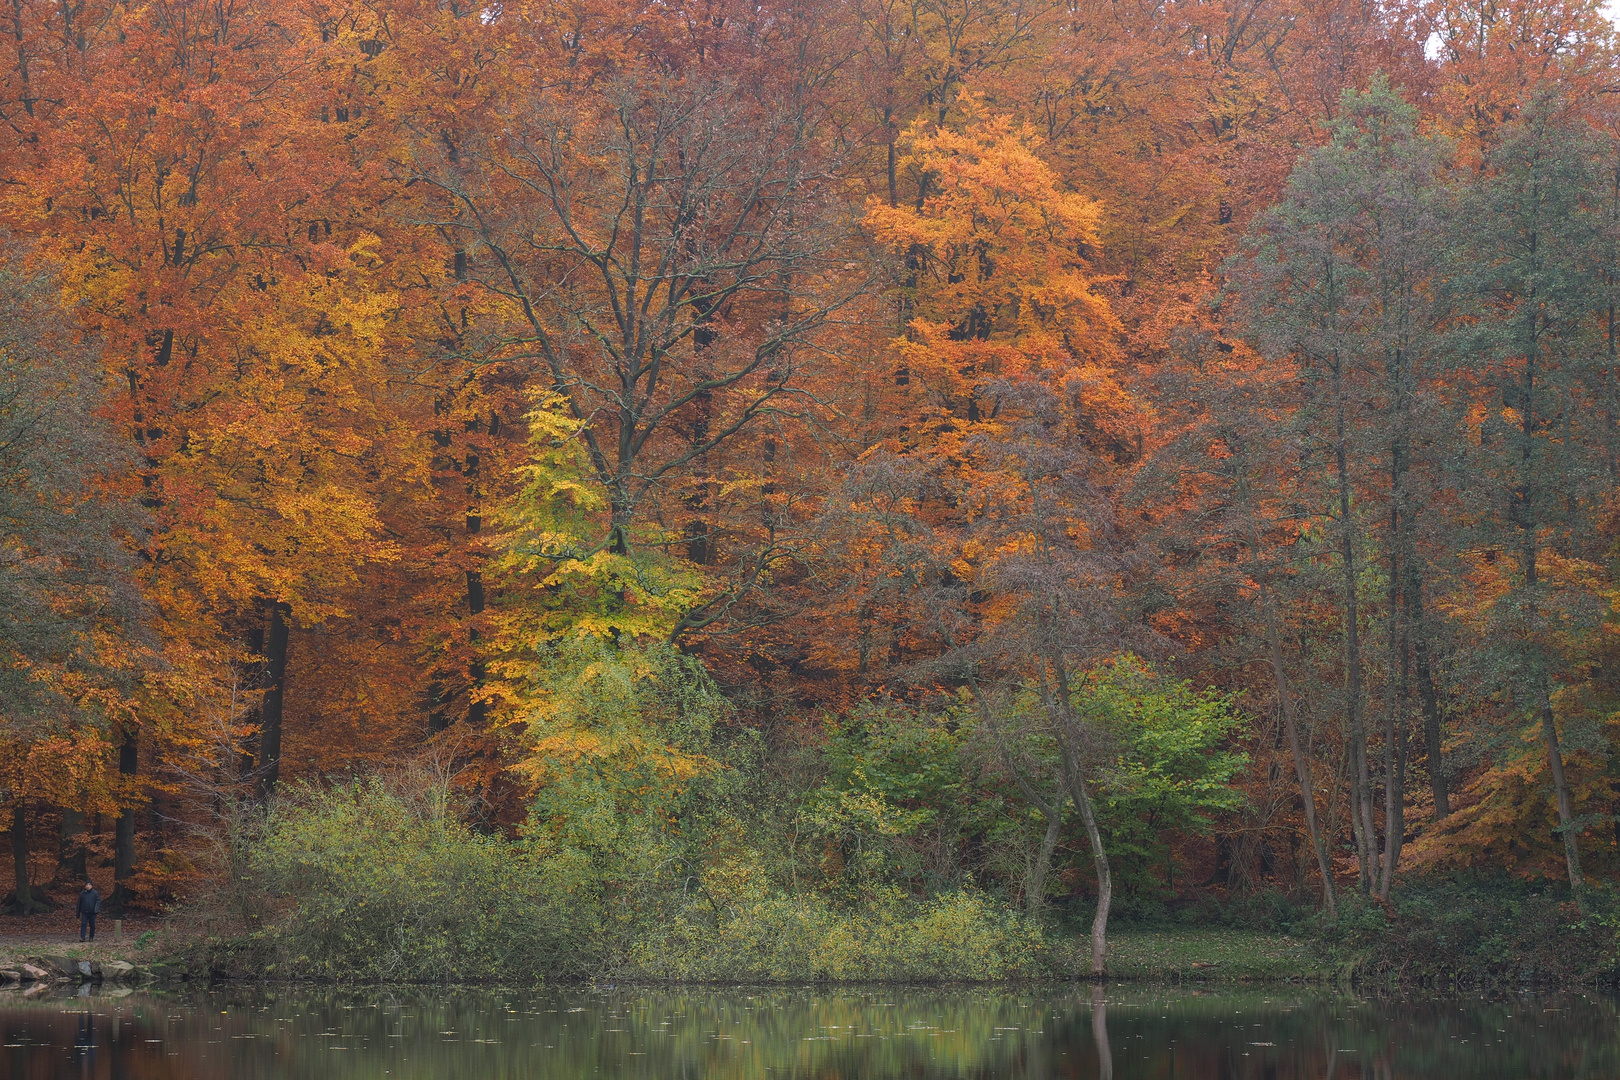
[71, 855]
[1428, 694]
[124, 831]
[1035, 888]
[23, 899]
[1529, 557]
[438, 719]
[1395, 680]
[275, 664]
[254, 718]
[477, 708]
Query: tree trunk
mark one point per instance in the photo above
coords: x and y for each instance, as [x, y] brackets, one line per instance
[275, 662]
[23, 899]
[253, 718]
[1052, 810]
[1367, 838]
[71, 854]
[1105, 879]
[1099, 1033]
[1395, 679]
[124, 830]
[1566, 804]
[1035, 887]
[1302, 768]
[477, 707]
[1529, 560]
[1428, 694]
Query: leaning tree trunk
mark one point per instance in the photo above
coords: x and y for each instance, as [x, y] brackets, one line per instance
[1035, 887]
[1566, 803]
[1051, 809]
[1105, 879]
[477, 707]
[1397, 668]
[1428, 692]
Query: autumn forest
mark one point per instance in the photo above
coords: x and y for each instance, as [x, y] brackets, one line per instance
[712, 474]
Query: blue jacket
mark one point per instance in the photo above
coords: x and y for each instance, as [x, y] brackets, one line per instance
[89, 901]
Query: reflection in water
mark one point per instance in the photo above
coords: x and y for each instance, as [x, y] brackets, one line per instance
[1099, 1032]
[1068, 1032]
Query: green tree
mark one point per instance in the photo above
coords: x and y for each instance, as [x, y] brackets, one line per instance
[1539, 264]
[1174, 762]
[1347, 280]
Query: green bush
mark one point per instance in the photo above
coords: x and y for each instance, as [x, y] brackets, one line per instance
[1478, 931]
[956, 936]
[381, 881]
[375, 882]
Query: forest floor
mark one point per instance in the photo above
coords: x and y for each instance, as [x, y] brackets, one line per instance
[56, 933]
[1215, 955]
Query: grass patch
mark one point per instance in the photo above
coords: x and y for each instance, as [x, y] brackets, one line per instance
[1215, 955]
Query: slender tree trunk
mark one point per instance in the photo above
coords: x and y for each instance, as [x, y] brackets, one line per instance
[1566, 804]
[1105, 878]
[477, 707]
[1367, 838]
[894, 185]
[1529, 557]
[124, 828]
[271, 708]
[1052, 809]
[1395, 677]
[1035, 888]
[1302, 768]
[1428, 694]
[1394, 776]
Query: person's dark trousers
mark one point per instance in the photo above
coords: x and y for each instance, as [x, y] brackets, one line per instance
[87, 921]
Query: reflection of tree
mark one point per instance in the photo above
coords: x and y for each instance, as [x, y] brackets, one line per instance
[1099, 1033]
[823, 1033]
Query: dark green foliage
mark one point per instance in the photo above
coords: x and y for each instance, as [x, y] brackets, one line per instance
[1478, 930]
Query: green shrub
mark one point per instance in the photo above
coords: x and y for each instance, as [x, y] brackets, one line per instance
[382, 882]
[1478, 930]
[962, 935]
[377, 883]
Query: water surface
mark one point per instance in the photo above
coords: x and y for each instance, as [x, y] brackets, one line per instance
[1117, 1031]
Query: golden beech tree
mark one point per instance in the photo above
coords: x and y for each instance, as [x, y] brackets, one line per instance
[999, 276]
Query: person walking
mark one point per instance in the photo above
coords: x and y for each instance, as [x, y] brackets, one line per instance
[89, 907]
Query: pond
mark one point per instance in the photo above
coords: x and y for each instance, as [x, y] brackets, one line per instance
[1116, 1030]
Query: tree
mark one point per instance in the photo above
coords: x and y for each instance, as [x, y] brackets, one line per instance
[1045, 602]
[1347, 278]
[662, 261]
[72, 638]
[1538, 269]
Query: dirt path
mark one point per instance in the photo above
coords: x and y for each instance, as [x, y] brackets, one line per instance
[58, 932]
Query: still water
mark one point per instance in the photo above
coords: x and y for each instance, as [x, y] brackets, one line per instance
[1117, 1031]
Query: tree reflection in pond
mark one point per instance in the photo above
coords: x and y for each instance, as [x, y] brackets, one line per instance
[1084, 1032]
